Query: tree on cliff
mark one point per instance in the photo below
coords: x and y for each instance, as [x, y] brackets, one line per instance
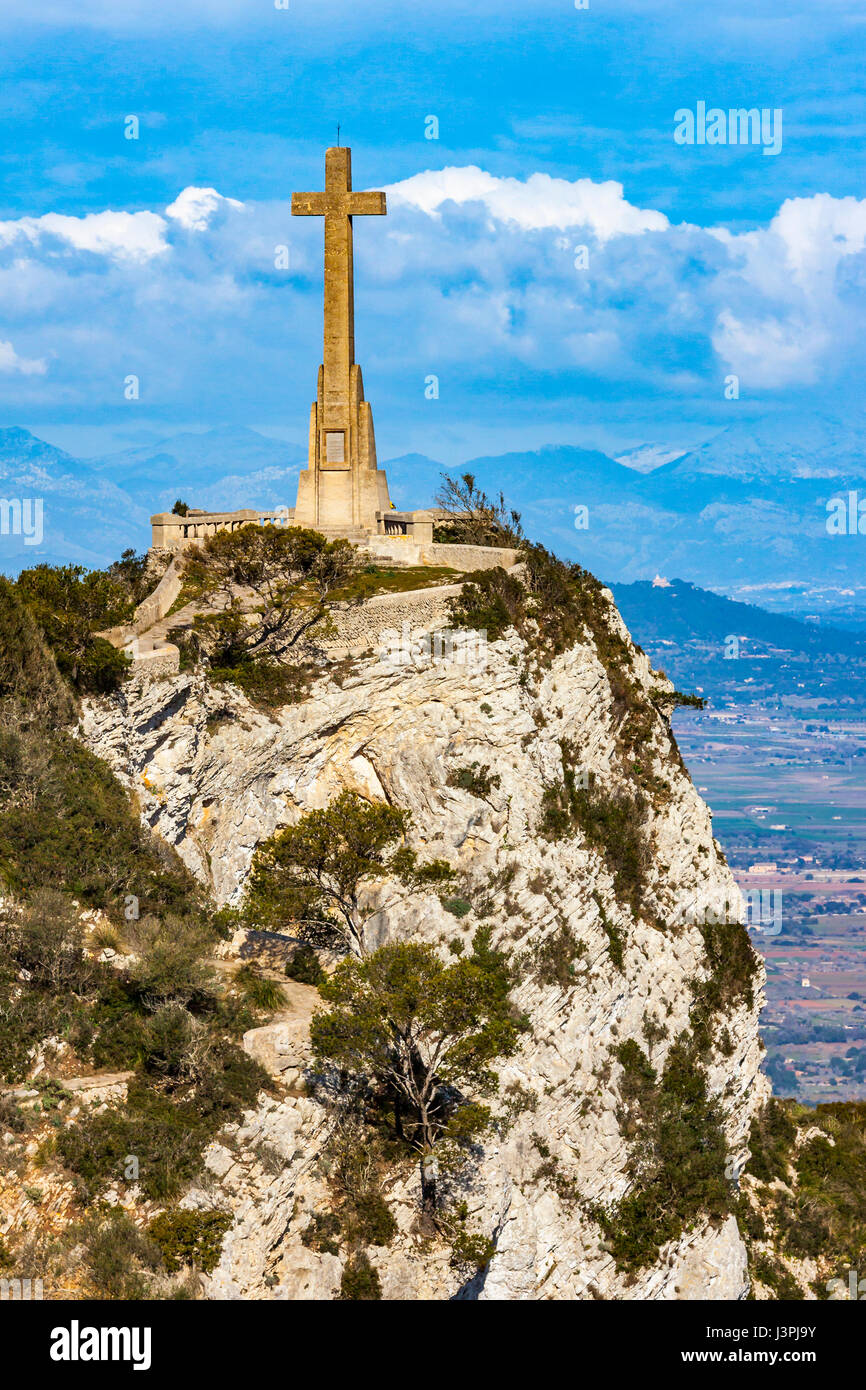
[473, 517]
[291, 574]
[426, 1033]
[310, 875]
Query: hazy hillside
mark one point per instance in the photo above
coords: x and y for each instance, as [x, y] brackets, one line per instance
[86, 518]
[727, 649]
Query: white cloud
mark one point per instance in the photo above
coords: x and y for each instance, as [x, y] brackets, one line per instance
[26, 366]
[805, 241]
[770, 352]
[123, 236]
[194, 207]
[538, 202]
[471, 276]
[784, 305]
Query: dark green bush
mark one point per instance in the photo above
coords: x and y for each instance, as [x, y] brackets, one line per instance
[773, 1274]
[190, 1238]
[305, 967]
[360, 1282]
[490, 601]
[119, 1258]
[610, 821]
[679, 1155]
[263, 993]
[70, 604]
[479, 780]
[323, 1233]
[372, 1221]
[554, 958]
[166, 1132]
[771, 1141]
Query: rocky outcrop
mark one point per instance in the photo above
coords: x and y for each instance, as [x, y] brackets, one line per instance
[216, 777]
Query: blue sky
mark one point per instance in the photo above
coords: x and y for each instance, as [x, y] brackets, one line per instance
[556, 131]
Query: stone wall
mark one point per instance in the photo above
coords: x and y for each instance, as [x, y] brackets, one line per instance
[157, 604]
[151, 609]
[361, 629]
[156, 662]
[469, 557]
[170, 531]
[403, 550]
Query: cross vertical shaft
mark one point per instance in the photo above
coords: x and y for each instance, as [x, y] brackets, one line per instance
[338, 204]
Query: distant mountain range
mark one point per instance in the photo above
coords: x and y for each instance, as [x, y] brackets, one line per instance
[742, 514]
[222, 468]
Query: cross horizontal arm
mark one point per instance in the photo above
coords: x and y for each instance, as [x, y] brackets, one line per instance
[358, 204]
[309, 204]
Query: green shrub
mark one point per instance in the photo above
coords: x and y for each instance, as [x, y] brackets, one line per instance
[555, 956]
[679, 1155]
[479, 780]
[305, 967]
[372, 1220]
[70, 604]
[472, 1250]
[360, 1282]
[119, 1258]
[264, 994]
[269, 684]
[490, 601]
[30, 683]
[733, 965]
[458, 907]
[771, 1141]
[775, 1276]
[66, 821]
[190, 1238]
[323, 1233]
[615, 942]
[166, 1132]
[611, 823]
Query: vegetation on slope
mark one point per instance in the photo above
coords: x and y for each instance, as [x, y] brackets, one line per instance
[72, 839]
[680, 1164]
[70, 604]
[803, 1207]
[679, 1154]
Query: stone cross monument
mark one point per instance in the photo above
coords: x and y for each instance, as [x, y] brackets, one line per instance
[342, 489]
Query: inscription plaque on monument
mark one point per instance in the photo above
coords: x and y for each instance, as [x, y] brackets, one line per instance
[335, 447]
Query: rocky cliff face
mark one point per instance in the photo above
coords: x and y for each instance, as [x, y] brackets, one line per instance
[216, 777]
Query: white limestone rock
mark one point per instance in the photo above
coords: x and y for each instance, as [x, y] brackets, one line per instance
[216, 777]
